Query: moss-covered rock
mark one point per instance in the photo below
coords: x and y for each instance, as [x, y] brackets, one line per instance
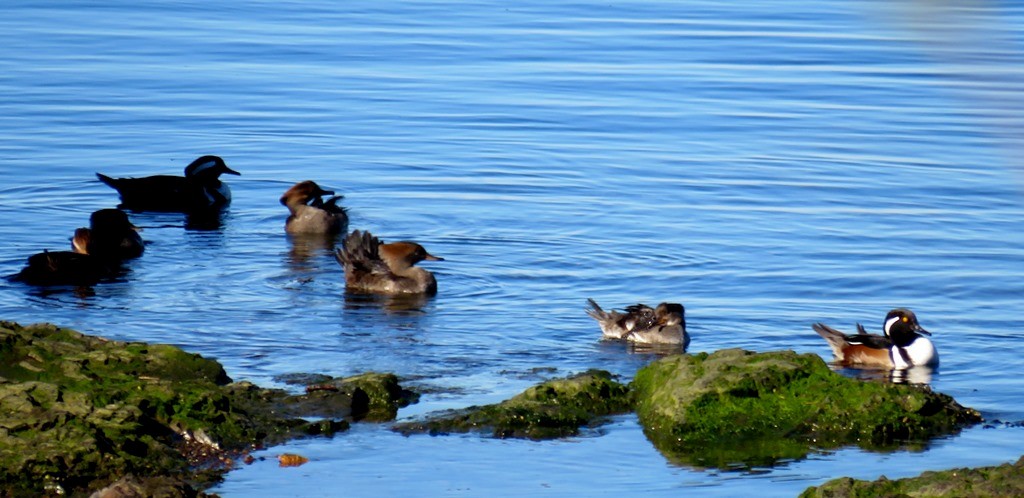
[556, 408]
[376, 396]
[1003, 480]
[78, 412]
[738, 408]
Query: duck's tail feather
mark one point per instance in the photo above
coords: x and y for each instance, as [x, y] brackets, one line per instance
[111, 182]
[836, 339]
[595, 311]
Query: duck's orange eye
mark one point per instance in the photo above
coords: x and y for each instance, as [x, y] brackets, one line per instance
[905, 319]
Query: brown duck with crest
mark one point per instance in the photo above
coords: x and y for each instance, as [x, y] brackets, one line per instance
[374, 267]
[110, 236]
[310, 214]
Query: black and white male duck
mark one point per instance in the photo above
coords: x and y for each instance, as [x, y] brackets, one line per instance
[199, 190]
[310, 214]
[904, 344]
[374, 267]
[664, 324]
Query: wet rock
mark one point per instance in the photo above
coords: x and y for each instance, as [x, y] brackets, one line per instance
[553, 409]
[134, 487]
[78, 412]
[1003, 480]
[736, 408]
[381, 392]
[372, 396]
[302, 379]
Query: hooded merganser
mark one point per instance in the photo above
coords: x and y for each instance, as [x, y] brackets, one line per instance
[377, 268]
[200, 189]
[63, 268]
[665, 324]
[903, 345]
[310, 213]
[110, 236]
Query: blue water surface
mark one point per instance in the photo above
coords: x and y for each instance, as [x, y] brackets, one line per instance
[768, 164]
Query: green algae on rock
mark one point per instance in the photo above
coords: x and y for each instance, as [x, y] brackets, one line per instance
[553, 409]
[736, 408]
[1002, 480]
[77, 412]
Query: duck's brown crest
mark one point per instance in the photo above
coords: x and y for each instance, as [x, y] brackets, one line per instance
[303, 192]
[408, 252]
[80, 242]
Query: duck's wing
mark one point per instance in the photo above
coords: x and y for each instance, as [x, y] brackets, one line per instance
[639, 317]
[330, 205]
[146, 184]
[870, 340]
[158, 193]
[836, 337]
[359, 254]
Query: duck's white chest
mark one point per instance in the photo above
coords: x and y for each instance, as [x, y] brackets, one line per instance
[919, 352]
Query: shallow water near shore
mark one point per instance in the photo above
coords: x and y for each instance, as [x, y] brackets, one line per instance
[769, 165]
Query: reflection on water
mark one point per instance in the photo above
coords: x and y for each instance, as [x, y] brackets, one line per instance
[916, 375]
[654, 350]
[81, 292]
[206, 220]
[304, 247]
[399, 304]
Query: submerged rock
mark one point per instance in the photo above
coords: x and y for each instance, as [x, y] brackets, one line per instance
[736, 408]
[371, 396]
[78, 412]
[1003, 480]
[553, 409]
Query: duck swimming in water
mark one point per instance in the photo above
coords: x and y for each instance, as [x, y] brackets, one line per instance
[110, 236]
[51, 268]
[377, 268]
[199, 190]
[903, 345]
[310, 214]
[664, 324]
[96, 253]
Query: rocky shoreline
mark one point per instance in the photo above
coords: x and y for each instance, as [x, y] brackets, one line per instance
[983, 482]
[79, 412]
[82, 415]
